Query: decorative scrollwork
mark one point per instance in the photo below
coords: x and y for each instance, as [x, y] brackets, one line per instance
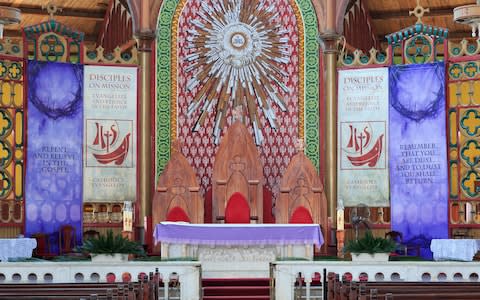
[419, 49]
[464, 48]
[8, 47]
[117, 57]
[358, 58]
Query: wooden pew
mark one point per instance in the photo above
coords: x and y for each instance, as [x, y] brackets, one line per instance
[345, 290]
[147, 287]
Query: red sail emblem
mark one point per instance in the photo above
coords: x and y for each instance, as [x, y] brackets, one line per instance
[106, 140]
[371, 157]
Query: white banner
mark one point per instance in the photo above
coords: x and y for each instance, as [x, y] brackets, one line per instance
[110, 121]
[362, 141]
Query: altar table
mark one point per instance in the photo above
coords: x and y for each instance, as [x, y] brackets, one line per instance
[237, 249]
[454, 249]
[16, 248]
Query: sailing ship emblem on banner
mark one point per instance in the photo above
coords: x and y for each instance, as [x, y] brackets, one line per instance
[110, 118]
[362, 142]
[109, 143]
[362, 145]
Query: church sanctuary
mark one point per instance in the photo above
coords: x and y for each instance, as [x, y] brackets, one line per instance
[239, 149]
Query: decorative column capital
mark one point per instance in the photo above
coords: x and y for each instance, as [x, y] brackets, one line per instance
[144, 39]
[329, 42]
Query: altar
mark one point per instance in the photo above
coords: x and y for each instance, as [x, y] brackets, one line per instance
[454, 249]
[231, 249]
[16, 248]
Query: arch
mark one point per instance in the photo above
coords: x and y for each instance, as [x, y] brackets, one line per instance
[167, 78]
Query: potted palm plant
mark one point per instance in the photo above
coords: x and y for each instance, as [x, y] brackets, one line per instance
[111, 248]
[370, 248]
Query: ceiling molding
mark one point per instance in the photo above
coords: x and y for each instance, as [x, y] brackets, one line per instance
[96, 14]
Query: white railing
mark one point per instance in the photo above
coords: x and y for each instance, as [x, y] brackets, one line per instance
[286, 274]
[187, 273]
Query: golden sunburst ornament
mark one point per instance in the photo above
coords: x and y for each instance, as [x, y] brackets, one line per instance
[237, 56]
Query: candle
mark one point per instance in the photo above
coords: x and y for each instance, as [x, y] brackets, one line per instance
[340, 219]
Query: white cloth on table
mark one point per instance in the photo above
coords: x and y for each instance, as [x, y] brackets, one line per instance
[16, 248]
[454, 249]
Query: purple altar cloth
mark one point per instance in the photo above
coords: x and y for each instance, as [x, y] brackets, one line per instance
[238, 234]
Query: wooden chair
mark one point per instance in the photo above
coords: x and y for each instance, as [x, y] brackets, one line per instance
[178, 193]
[43, 249]
[66, 239]
[302, 198]
[237, 168]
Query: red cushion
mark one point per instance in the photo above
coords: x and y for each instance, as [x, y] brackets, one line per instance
[177, 214]
[301, 215]
[237, 210]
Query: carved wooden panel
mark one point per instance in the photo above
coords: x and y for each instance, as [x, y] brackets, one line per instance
[177, 188]
[301, 187]
[237, 168]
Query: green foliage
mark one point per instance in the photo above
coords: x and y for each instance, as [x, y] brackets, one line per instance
[110, 244]
[370, 244]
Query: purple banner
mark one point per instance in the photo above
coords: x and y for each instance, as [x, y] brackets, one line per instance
[53, 181]
[418, 164]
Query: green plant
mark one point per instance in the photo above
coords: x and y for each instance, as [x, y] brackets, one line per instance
[370, 244]
[110, 244]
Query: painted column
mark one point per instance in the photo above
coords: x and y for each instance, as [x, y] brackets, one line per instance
[329, 38]
[145, 154]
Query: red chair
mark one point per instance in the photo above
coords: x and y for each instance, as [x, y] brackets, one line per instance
[237, 210]
[66, 239]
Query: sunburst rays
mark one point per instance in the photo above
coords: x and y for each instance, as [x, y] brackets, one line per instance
[237, 58]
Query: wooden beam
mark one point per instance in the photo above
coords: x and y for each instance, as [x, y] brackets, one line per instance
[403, 13]
[96, 14]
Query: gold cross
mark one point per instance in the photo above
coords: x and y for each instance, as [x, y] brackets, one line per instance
[419, 11]
[52, 9]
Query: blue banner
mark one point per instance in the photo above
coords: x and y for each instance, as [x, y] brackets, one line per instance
[418, 164]
[53, 181]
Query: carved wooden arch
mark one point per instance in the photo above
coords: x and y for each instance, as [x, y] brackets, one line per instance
[301, 187]
[177, 187]
[237, 168]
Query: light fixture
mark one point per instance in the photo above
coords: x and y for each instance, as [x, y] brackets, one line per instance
[468, 15]
[8, 15]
